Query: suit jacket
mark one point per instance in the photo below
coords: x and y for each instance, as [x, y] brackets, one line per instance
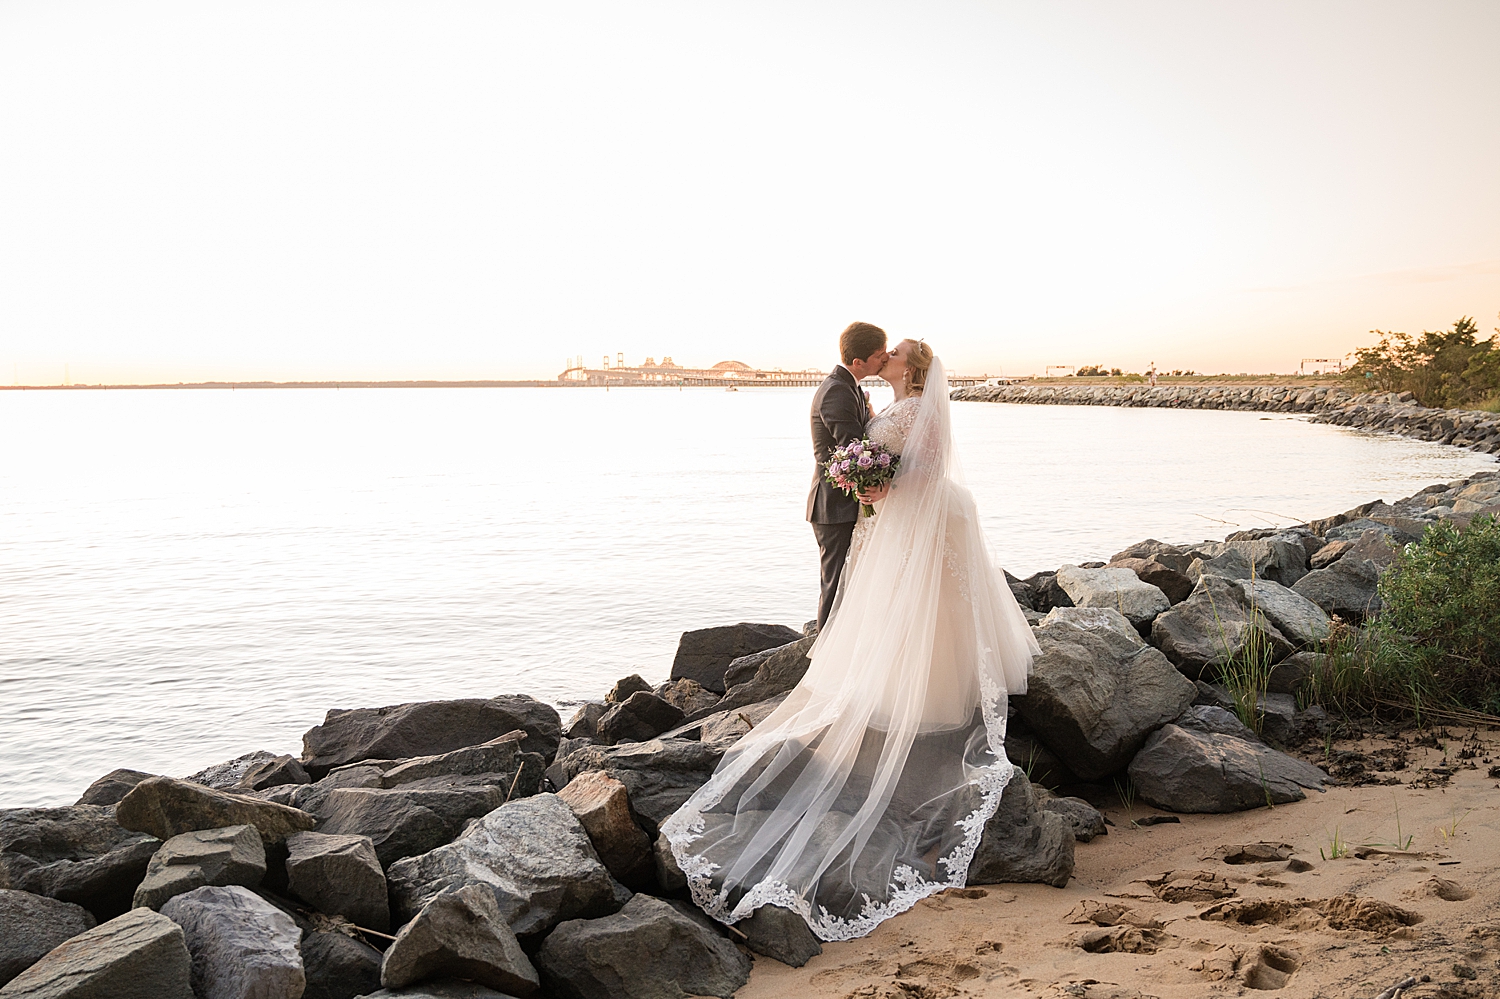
[839, 415]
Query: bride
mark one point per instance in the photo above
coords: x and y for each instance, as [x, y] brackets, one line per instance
[869, 787]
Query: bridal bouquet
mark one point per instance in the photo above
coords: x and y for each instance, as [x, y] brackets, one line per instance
[861, 465]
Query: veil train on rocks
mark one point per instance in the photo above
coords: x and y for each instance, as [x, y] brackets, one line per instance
[869, 787]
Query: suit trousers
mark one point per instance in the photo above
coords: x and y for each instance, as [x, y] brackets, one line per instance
[833, 549]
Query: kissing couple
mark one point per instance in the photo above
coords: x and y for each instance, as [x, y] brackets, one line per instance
[868, 787]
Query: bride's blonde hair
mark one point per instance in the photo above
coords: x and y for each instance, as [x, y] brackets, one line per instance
[918, 360]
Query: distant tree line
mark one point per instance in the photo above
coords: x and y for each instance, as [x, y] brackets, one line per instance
[1448, 368]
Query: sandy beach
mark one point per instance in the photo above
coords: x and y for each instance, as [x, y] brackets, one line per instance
[1226, 904]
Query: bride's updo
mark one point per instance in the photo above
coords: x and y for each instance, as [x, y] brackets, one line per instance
[918, 360]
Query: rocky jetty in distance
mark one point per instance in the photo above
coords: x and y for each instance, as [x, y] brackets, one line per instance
[484, 847]
[1397, 413]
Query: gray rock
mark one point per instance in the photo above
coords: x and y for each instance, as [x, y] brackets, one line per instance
[139, 955]
[1095, 693]
[1329, 554]
[427, 728]
[243, 947]
[585, 721]
[1022, 844]
[233, 855]
[1186, 771]
[1281, 558]
[1084, 819]
[1214, 694]
[1042, 766]
[1347, 588]
[340, 875]
[639, 717]
[1352, 530]
[623, 688]
[1377, 546]
[535, 856]
[1312, 723]
[274, 772]
[1212, 719]
[659, 775]
[33, 925]
[603, 807]
[338, 966]
[227, 776]
[1172, 582]
[499, 757]
[1117, 588]
[165, 808]
[645, 951]
[724, 728]
[687, 696]
[705, 654]
[462, 934]
[407, 820]
[1045, 593]
[668, 875]
[1228, 563]
[76, 854]
[1288, 676]
[1278, 719]
[1174, 557]
[1211, 627]
[109, 789]
[781, 935]
[439, 990]
[1296, 617]
[762, 676]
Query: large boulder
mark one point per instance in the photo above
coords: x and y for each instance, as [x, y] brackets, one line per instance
[243, 947]
[1348, 588]
[705, 654]
[32, 925]
[687, 696]
[723, 729]
[639, 717]
[340, 875]
[1085, 820]
[1175, 557]
[445, 989]
[226, 776]
[1280, 557]
[1172, 582]
[461, 934]
[275, 772]
[1022, 843]
[780, 934]
[624, 687]
[1212, 627]
[502, 757]
[165, 807]
[338, 965]
[659, 775]
[109, 789]
[427, 728]
[648, 950]
[139, 955]
[603, 807]
[407, 820]
[534, 854]
[585, 721]
[1097, 690]
[1300, 620]
[78, 854]
[762, 676]
[233, 855]
[1115, 588]
[1184, 770]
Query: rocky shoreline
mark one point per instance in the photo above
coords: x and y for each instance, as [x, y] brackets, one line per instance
[1382, 411]
[484, 847]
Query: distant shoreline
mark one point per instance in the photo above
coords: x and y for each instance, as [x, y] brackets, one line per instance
[416, 383]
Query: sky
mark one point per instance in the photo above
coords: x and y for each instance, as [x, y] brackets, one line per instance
[328, 189]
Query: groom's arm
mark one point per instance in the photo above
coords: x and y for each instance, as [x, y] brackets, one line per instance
[843, 413]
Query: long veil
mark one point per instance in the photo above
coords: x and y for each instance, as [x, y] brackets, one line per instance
[869, 787]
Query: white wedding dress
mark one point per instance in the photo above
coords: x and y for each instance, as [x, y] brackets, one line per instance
[869, 787]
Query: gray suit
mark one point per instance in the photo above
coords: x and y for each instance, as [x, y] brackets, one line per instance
[839, 415]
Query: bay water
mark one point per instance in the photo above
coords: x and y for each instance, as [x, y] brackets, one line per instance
[188, 575]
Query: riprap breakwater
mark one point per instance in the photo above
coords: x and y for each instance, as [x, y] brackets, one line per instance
[1381, 411]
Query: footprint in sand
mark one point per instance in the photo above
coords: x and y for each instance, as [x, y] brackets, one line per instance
[1265, 968]
[1448, 891]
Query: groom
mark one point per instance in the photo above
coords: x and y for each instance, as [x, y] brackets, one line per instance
[839, 415]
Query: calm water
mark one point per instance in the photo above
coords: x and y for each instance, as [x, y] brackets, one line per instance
[190, 575]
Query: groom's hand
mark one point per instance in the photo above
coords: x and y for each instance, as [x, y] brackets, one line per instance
[873, 496]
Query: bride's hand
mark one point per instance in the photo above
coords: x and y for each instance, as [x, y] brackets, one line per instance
[873, 496]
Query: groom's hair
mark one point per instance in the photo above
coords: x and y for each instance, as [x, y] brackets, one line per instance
[860, 340]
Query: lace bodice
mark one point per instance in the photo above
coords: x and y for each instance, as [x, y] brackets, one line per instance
[891, 425]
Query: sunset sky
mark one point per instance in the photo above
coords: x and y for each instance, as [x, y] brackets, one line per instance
[482, 190]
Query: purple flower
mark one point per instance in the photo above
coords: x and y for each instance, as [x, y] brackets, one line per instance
[885, 461]
[844, 465]
[865, 461]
